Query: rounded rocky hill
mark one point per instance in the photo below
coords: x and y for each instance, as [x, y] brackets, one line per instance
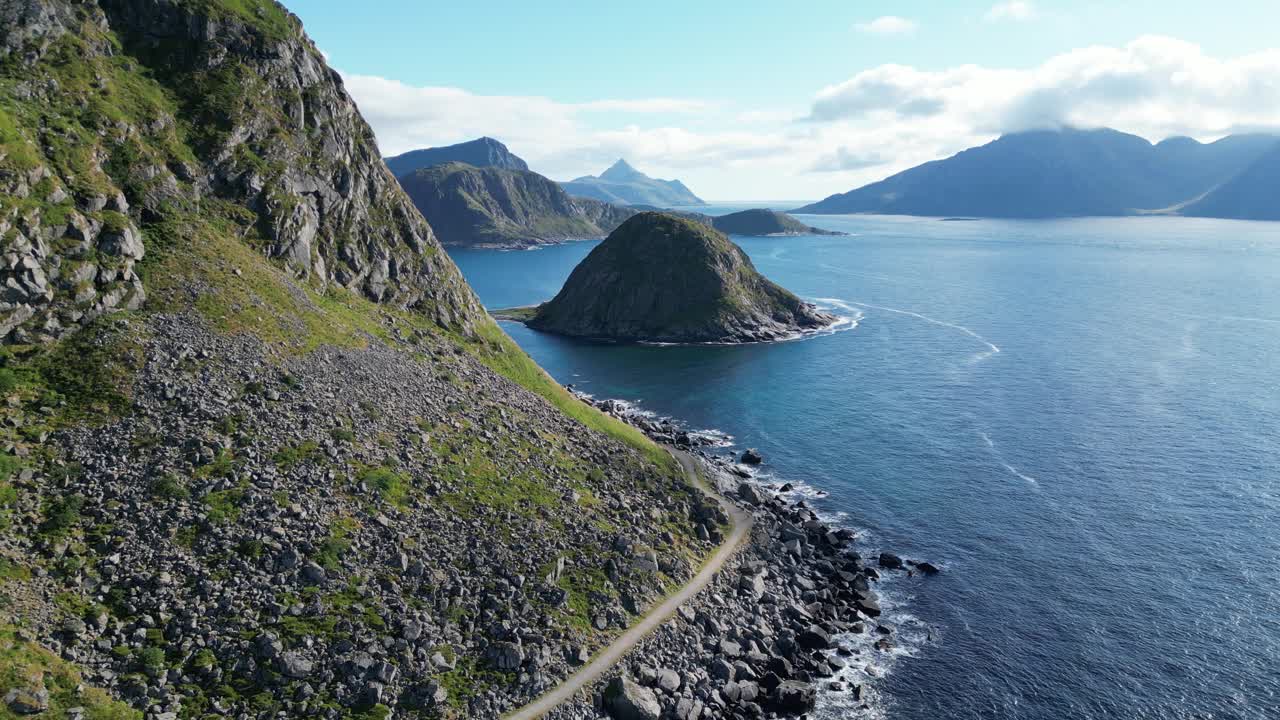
[661, 278]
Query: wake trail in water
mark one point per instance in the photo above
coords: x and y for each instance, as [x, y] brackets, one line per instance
[999, 456]
[1233, 318]
[992, 348]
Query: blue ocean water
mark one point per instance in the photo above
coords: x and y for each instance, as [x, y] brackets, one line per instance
[1079, 420]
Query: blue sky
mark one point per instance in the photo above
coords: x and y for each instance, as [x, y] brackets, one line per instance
[726, 95]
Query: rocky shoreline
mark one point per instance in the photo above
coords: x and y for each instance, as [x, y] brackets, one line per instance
[762, 639]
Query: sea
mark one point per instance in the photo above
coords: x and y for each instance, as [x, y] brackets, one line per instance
[1077, 420]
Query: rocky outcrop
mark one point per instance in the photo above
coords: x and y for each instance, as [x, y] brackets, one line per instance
[494, 207]
[482, 152]
[128, 114]
[662, 278]
[624, 185]
[762, 222]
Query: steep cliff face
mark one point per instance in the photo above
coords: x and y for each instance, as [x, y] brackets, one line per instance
[124, 115]
[474, 206]
[664, 278]
[262, 454]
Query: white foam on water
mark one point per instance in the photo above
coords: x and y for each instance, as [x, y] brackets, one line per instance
[867, 666]
[842, 324]
[632, 409]
[992, 348]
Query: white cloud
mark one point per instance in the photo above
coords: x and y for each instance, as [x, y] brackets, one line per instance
[887, 25]
[647, 105]
[1154, 86]
[1015, 10]
[879, 121]
[561, 140]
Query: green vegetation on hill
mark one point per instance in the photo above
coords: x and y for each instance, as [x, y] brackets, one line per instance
[664, 278]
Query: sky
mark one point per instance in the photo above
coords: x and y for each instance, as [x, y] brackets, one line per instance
[751, 100]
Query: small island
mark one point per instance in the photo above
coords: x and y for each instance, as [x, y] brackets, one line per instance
[762, 222]
[662, 278]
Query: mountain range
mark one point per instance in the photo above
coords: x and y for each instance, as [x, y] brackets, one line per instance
[1073, 172]
[481, 152]
[622, 184]
[499, 207]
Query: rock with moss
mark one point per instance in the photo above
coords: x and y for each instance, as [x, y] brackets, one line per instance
[497, 207]
[662, 278]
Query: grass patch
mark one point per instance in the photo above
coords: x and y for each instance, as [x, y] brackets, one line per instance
[60, 516]
[224, 506]
[391, 485]
[503, 356]
[292, 455]
[169, 487]
[22, 663]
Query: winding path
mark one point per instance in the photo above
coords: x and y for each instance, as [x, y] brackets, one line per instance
[610, 655]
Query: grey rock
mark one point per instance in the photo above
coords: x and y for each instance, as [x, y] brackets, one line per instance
[28, 701]
[627, 700]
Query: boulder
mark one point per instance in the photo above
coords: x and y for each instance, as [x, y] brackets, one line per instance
[791, 697]
[889, 561]
[27, 701]
[626, 700]
[295, 666]
[669, 680]
[750, 494]
[814, 638]
[505, 656]
[751, 456]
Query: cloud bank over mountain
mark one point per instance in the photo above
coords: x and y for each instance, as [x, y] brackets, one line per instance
[878, 121]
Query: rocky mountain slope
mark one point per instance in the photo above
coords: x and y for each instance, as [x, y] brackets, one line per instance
[765, 222]
[263, 452]
[664, 278]
[622, 184]
[1056, 173]
[482, 152]
[1253, 194]
[495, 207]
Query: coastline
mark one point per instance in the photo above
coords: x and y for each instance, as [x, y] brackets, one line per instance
[523, 313]
[767, 635]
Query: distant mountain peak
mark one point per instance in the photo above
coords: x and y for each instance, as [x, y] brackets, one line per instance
[622, 184]
[621, 171]
[481, 152]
